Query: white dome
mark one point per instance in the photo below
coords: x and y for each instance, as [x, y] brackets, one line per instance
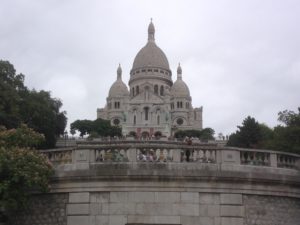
[180, 89]
[118, 88]
[151, 56]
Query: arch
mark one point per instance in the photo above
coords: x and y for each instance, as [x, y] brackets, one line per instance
[157, 134]
[146, 111]
[145, 134]
[161, 90]
[132, 133]
[158, 120]
[156, 89]
[133, 91]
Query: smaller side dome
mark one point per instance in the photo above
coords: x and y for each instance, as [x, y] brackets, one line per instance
[118, 88]
[179, 88]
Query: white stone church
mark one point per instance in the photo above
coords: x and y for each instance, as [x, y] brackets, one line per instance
[153, 105]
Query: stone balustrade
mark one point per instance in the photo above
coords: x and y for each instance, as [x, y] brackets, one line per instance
[169, 152]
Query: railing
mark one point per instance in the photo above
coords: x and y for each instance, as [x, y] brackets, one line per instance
[111, 155]
[63, 156]
[255, 158]
[287, 161]
[154, 155]
[198, 155]
[169, 152]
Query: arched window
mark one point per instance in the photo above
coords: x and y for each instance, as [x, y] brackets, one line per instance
[156, 89]
[146, 113]
[133, 91]
[158, 120]
[161, 90]
[134, 120]
[187, 105]
[137, 90]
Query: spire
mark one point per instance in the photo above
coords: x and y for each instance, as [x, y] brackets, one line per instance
[179, 72]
[151, 31]
[119, 72]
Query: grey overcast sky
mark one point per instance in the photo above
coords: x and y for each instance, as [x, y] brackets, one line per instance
[238, 58]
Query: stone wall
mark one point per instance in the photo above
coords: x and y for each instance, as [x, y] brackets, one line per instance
[47, 209]
[266, 210]
[150, 207]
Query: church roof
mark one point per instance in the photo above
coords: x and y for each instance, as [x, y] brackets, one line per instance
[179, 88]
[118, 88]
[151, 55]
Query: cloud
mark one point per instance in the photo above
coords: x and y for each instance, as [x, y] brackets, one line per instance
[239, 58]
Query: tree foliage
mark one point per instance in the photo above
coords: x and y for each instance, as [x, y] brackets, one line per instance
[248, 134]
[95, 128]
[284, 137]
[37, 109]
[204, 134]
[22, 169]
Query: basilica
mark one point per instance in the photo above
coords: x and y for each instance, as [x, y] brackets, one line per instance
[153, 105]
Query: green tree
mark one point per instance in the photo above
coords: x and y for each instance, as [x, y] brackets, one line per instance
[10, 85]
[204, 134]
[248, 135]
[20, 105]
[287, 137]
[22, 169]
[22, 137]
[95, 128]
[42, 113]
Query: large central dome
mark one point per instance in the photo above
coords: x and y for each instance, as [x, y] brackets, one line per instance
[151, 55]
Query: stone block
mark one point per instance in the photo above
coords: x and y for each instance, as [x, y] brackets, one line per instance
[189, 197]
[121, 208]
[232, 221]
[161, 209]
[232, 210]
[217, 220]
[79, 220]
[78, 209]
[104, 209]
[136, 219]
[102, 220]
[141, 197]
[118, 196]
[213, 210]
[167, 219]
[117, 219]
[185, 209]
[80, 197]
[167, 197]
[207, 198]
[231, 199]
[100, 197]
[230, 156]
[82, 155]
[94, 209]
[192, 220]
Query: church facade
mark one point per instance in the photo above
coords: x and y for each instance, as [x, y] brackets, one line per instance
[153, 105]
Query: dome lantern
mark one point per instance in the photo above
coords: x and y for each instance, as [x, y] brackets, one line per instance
[179, 72]
[151, 32]
[119, 72]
